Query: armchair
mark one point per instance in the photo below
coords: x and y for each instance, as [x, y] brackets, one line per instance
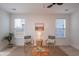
[51, 41]
[28, 42]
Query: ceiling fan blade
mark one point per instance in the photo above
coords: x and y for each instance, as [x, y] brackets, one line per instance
[50, 6]
[59, 3]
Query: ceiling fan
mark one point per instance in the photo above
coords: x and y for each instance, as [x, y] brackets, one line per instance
[49, 6]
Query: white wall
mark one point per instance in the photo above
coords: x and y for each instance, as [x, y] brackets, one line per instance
[49, 25]
[75, 29]
[4, 27]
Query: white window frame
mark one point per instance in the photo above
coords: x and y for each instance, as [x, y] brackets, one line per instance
[64, 29]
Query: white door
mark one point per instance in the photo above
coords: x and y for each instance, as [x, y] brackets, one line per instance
[19, 26]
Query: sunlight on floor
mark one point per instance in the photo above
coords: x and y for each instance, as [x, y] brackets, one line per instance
[6, 51]
[70, 50]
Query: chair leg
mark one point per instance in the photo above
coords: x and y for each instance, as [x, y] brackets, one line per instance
[47, 45]
[24, 49]
[54, 45]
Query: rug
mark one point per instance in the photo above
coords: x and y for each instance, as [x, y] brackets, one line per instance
[19, 51]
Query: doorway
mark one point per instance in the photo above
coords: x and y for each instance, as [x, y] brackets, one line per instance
[19, 31]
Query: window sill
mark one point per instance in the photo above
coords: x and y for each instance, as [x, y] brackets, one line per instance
[61, 38]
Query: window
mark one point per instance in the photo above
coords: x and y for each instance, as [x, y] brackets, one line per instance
[60, 28]
[19, 25]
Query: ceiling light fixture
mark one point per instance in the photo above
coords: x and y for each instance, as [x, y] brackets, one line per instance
[14, 9]
[66, 10]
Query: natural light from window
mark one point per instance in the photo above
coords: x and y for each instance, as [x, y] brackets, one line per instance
[19, 25]
[60, 28]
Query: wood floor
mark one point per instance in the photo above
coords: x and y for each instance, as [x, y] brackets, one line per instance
[19, 51]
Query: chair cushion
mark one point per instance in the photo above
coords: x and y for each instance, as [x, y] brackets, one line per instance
[51, 41]
[27, 40]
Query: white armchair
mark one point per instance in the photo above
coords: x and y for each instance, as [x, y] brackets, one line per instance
[51, 41]
[28, 40]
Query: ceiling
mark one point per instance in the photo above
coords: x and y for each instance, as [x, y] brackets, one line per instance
[23, 8]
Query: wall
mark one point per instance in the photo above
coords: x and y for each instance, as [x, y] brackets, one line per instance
[75, 29]
[4, 27]
[49, 25]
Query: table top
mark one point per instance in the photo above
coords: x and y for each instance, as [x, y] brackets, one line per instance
[39, 51]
